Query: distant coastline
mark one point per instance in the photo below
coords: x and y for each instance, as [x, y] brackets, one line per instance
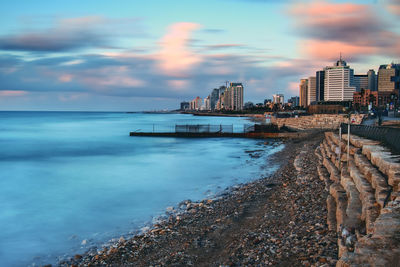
[219, 114]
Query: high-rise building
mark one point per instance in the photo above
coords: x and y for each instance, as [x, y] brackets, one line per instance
[214, 96]
[311, 90]
[320, 83]
[339, 80]
[227, 99]
[196, 103]
[389, 77]
[361, 82]
[207, 103]
[221, 97]
[278, 99]
[372, 81]
[233, 97]
[303, 92]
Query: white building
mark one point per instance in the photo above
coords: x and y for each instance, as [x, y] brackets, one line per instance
[207, 103]
[278, 99]
[339, 82]
[234, 97]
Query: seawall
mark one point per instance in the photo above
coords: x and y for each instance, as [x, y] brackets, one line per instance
[364, 199]
[318, 121]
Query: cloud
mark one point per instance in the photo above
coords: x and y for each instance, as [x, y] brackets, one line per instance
[224, 46]
[9, 93]
[65, 78]
[175, 57]
[330, 50]
[65, 35]
[393, 6]
[355, 29]
[178, 71]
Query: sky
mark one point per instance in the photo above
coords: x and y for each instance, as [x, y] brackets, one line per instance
[120, 55]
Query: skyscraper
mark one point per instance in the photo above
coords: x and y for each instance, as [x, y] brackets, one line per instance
[361, 82]
[312, 90]
[214, 96]
[339, 80]
[372, 81]
[236, 95]
[389, 78]
[320, 83]
[303, 92]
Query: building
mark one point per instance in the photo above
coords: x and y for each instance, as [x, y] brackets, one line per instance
[389, 78]
[220, 102]
[185, 105]
[339, 82]
[214, 96]
[207, 103]
[237, 96]
[233, 97]
[196, 103]
[278, 99]
[227, 99]
[376, 98]
[267, 102]
[311, 90]
[372, 80]
[365, 97]
[294, 101]
[361, 81]
[221, 97]
[303, 92]
[320, 84]
[248, 105]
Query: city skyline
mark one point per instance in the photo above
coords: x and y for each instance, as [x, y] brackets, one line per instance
[121, 56]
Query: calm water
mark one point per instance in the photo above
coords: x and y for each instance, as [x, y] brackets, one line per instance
[66, 177]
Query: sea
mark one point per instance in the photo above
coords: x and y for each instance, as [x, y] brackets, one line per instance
[72, 181]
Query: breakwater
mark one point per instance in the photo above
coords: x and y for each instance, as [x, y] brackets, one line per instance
[318, 121]
[364, 199]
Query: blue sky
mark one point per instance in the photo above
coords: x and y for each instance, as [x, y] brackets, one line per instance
[146, 55]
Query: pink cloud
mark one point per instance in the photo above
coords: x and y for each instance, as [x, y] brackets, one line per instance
[294, 87]
[65, 78]
[178, 85]
[393, 6]
[9, 93]
[330, 50]
[175, 58]
[114, 80]
[354, 29]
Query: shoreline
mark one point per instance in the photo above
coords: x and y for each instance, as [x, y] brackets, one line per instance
[270, 221]
[217, 114]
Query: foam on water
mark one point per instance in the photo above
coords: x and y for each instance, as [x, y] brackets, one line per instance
[66, 177]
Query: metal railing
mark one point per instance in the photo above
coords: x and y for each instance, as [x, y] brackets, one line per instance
[387, 135]
[209, 128]
[203, 128]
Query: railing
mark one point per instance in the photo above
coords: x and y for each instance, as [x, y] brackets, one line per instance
[203, 128]
[387, 135]
[210, 128]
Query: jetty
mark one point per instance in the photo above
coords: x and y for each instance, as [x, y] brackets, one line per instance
[258, 131]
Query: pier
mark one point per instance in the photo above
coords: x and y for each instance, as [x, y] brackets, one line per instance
[257, 131]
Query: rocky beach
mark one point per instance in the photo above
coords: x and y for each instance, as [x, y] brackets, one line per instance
[273, 221]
